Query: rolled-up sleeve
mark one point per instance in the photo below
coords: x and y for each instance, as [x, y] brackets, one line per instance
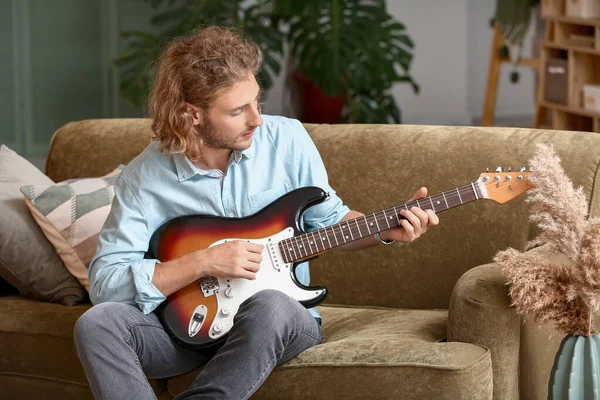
[312, 172]
[118, 272]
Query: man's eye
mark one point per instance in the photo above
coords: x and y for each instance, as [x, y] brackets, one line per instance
[235, 113]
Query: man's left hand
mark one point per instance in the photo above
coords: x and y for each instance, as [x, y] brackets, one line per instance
[416, 223]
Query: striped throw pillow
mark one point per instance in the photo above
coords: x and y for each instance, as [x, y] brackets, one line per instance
[71, 215]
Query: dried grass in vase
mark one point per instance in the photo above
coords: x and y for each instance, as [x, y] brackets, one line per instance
[564, 294]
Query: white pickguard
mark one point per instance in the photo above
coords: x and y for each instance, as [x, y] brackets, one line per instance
[274, 273]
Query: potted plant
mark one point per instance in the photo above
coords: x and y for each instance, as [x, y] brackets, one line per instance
[346, 54]
[566, 294]
[176, 18]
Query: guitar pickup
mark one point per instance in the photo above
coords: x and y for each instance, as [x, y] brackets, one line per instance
[276, 260]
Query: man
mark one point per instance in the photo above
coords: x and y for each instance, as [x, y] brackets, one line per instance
[210, 153]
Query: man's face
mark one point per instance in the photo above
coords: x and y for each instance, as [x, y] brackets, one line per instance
[231, 121]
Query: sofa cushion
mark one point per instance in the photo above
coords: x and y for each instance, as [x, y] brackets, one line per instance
[71, 215]
[380, 354]
[28, 260]
[38, 354]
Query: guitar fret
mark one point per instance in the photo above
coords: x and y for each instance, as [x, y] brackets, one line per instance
[460, 198]
[304, 246]
[317, 241]
[327, 236]
[385, 218]
[474, 191]
[377, 222]
[397, 217]
[298, 246]
[342, 232]
[391, 217]
[358, 228]
[293, 246]
[301, 246]
[335, 237]
[284, 245]
[322, 240]
[308, 242]
[444, 196]
[290, 248]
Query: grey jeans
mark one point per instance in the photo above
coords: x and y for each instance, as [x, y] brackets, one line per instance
[119, 347]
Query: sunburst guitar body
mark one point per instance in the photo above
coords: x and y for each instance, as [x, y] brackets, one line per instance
[202, 313]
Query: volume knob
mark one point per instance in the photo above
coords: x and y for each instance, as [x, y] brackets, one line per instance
[225, 311]
[218, 328]
[229, 292]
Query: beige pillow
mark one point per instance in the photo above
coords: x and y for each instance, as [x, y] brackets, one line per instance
[71, 215]
[28, 261]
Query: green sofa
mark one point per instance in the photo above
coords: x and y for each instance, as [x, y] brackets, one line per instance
[426, 320]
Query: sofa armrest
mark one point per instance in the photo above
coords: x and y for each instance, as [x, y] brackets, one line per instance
[480, 313]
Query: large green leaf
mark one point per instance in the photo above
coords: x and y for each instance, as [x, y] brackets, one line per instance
[175, 18]
[353, 47]
[372, 107]
[341, 43]
[344, 46]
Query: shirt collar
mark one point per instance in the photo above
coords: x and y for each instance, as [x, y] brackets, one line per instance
[186, 170]
[239, 155]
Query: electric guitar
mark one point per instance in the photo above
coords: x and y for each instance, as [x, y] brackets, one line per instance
[201, 313]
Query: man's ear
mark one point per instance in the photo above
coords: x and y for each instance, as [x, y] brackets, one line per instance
[194, 112]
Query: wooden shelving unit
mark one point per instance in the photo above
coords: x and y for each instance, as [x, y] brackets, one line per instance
[574, 42]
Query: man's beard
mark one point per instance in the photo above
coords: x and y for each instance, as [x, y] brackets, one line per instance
[211, 137]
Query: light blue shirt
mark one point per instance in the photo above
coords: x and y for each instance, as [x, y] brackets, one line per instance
[155, 188]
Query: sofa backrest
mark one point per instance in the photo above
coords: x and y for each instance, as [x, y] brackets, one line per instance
[372, 167]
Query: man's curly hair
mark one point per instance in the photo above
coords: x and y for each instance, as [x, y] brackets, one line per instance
[194, 69]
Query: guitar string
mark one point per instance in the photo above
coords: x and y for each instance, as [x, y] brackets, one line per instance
[380, 216]
[359, 223]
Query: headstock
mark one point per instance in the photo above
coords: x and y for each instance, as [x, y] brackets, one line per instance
[503, 186]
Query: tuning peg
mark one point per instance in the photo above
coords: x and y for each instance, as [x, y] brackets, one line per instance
[487, 169]
[522, 169]
[499, 169]
[509, 169]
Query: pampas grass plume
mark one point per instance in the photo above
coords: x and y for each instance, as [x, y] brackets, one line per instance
[566, 295]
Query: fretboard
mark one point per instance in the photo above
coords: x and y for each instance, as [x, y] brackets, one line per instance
[309, 244]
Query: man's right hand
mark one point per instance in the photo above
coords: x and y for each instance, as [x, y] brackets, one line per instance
[235, 259]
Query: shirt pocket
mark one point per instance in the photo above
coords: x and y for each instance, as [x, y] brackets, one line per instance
[258, 201]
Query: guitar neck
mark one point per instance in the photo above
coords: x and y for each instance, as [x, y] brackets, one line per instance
[310, 244]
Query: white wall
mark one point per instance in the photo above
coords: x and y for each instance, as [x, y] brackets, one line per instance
[439, 30]
[452, 49]
[513, 99]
